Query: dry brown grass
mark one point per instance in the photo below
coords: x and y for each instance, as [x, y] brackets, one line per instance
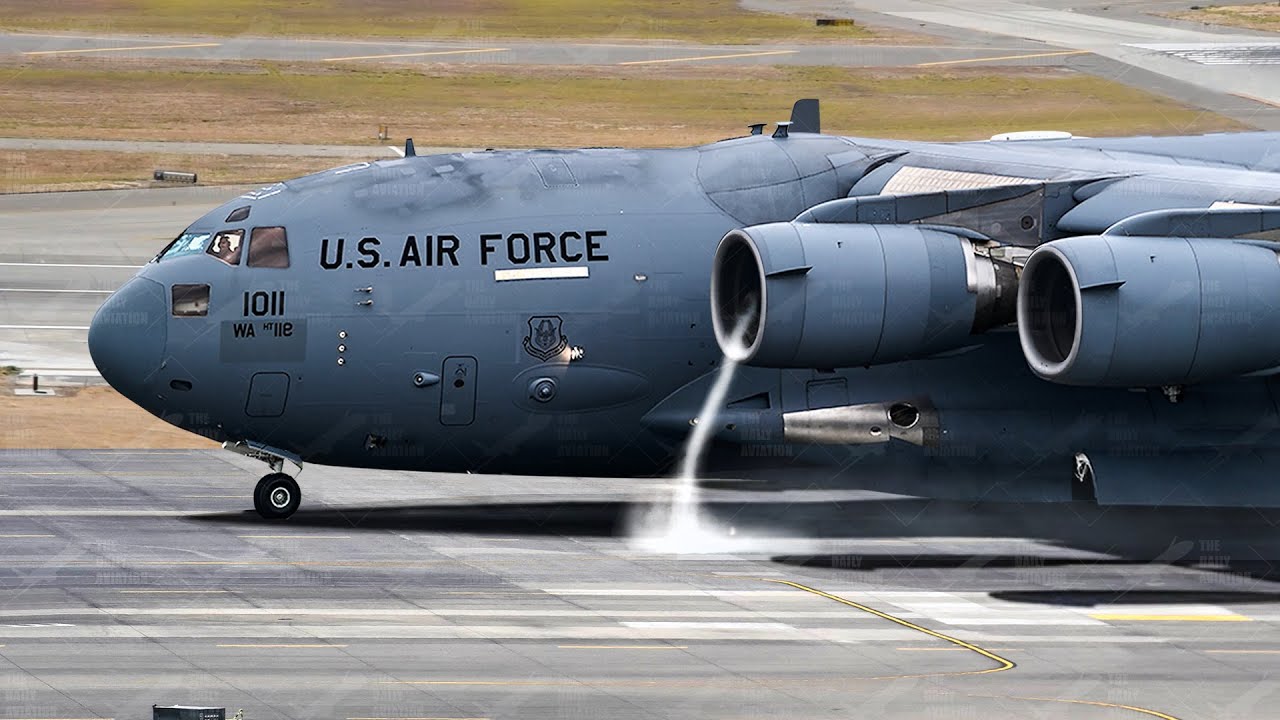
[514, 106]
[97, 417]
[1258, 16]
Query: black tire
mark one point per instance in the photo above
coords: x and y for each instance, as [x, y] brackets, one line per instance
[277, 496]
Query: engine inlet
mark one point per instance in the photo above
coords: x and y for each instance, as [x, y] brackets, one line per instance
[737, 293]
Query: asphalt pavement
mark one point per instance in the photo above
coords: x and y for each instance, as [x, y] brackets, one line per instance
[502, 51]
[65, 252]
[133, 578]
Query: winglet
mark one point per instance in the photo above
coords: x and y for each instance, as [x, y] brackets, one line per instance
[805, 116]
[408, 148]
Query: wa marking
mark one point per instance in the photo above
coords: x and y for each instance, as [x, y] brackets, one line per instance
[268, 328]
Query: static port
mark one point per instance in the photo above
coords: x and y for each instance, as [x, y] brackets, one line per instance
[543, 390]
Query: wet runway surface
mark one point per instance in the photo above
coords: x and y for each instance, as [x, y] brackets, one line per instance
[132, 578]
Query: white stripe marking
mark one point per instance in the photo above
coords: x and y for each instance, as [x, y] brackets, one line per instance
[665, 625]
[551, 273]
[66, 265]
[44, 327]
[38, 290]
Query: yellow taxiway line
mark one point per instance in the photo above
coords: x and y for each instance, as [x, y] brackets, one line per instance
[121, 49]
[415, 54]
[1030, 56]
[1004, 663]
[709, 57]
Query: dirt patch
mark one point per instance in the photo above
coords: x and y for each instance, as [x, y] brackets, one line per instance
[1261, 16]
[96, 417]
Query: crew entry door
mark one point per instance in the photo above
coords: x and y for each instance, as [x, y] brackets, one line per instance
[458, 391]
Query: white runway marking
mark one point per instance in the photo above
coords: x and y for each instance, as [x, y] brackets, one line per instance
[95, 513]
[66, 265]
[121, 49]
[38, 290]
[44, 327]
[709, 57]
[417, 54]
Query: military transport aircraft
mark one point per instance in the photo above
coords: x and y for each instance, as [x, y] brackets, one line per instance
[1037, 316]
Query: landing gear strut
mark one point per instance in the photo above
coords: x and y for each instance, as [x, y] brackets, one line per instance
[277, 496]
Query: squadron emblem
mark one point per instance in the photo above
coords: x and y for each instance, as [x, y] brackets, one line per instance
[545, 340]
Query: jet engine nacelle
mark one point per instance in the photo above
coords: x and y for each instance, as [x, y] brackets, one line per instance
[844, 295]
[1148, 311]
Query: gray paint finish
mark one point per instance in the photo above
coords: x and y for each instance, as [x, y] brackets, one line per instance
[576, 282]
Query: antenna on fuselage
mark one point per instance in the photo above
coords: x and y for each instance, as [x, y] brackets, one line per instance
[408, 148]
[806, 117]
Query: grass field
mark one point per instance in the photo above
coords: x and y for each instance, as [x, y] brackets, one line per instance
[720, 21]
[1257, 16]
[511, 106]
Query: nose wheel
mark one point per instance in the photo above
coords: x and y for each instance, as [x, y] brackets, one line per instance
[277, 496]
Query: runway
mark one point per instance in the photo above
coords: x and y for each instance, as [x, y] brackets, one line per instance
[67, 252]
[1128, 41]
[131, 578]
[358, 152]
[503, 51]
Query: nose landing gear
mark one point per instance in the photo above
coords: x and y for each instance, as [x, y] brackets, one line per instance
[277, 496]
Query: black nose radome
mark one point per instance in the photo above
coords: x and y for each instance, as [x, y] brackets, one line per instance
[127, 337]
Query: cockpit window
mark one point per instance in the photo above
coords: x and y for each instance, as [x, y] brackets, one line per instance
[226, 246]
[185, 244]
[269, 248]
[190, 300]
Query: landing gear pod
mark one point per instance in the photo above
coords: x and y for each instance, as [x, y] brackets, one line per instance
[1149, 311]
[832, 295]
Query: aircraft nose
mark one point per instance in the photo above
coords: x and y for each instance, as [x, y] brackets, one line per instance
[127, 337]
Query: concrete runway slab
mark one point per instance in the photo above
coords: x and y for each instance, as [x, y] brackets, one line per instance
[1127, 41]
[68, 251]
[496, 51]
[130, 578]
